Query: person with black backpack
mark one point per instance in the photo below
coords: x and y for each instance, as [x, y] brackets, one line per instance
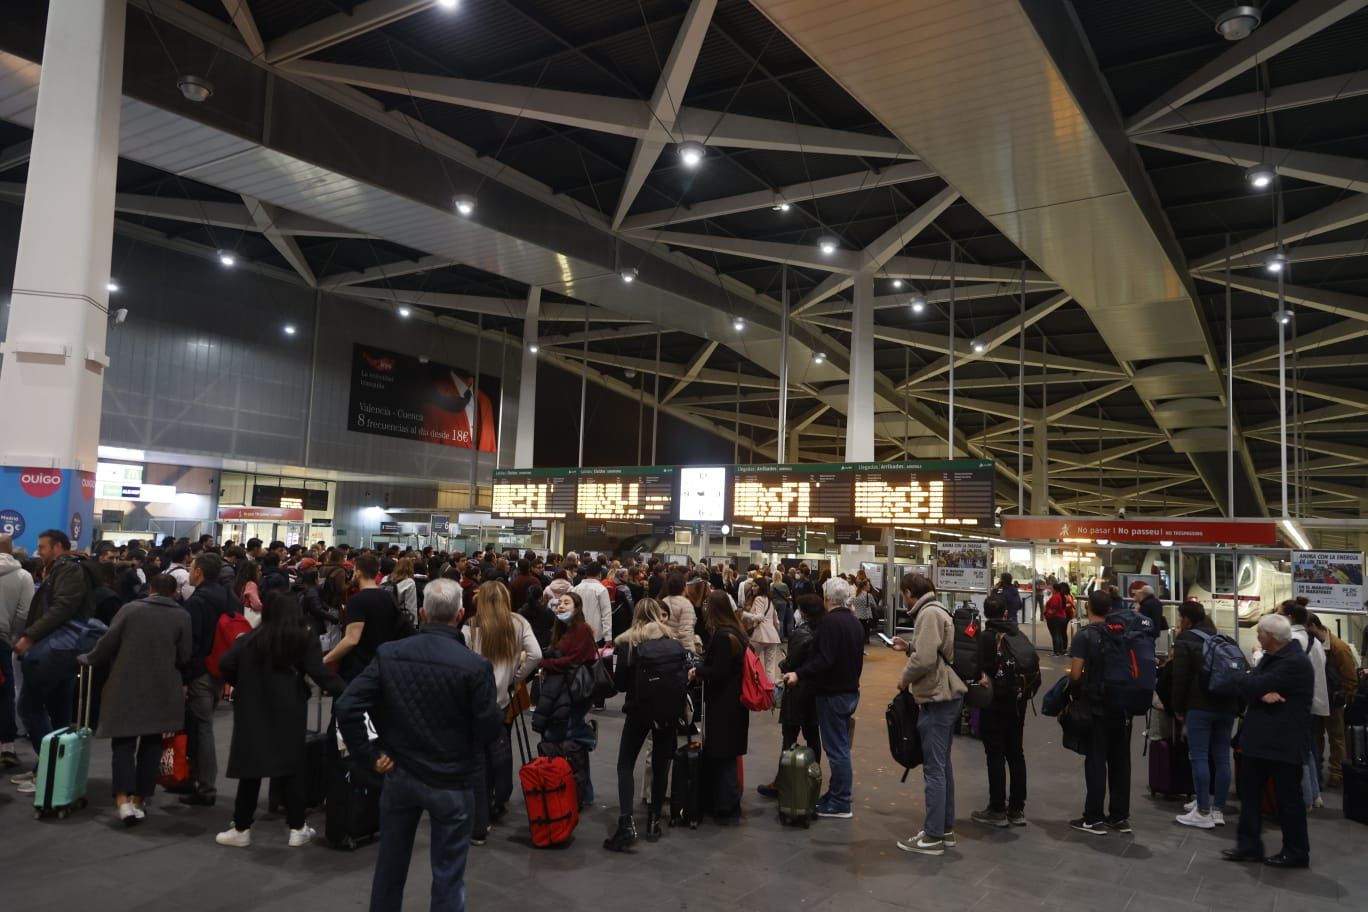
[1010, 665]
[651, 670]
[1208, 715]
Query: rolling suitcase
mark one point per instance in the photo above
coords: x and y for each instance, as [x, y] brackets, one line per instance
[1170, 770]
[352, 809]
[552, 800]
[800, 784]
[64, 760]
[1356, 792]
[1356, 744]
[315, 771]
[686, 774]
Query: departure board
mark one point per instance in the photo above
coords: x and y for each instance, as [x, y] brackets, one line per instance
[633, 494]
[790, 494]
[950, 493]
[535, 493]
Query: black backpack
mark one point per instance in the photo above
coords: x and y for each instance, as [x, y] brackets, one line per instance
[968, 626]
[904, 741]
[660, 680]
[405, 624]
[1018, 668]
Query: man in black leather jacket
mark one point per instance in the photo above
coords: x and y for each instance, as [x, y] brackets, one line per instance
[433, 704]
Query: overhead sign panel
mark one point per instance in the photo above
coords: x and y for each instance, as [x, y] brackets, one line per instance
[535, 493]
[1329, 579]
[643, 494]
[1178, 531]
[790, 494]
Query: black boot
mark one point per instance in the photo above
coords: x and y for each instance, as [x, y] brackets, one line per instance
[622, 838]
[653, 831]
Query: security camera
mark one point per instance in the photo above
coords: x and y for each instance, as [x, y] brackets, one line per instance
[120, 315]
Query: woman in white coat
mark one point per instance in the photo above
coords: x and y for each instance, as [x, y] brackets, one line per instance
[761, 620]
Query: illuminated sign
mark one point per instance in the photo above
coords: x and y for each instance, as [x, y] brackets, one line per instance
[535, 493]
[639, 494]
[142, 493]
[1181, 531]
[703, 494]
[118, 471]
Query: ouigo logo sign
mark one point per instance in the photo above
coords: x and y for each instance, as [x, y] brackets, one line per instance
[40, 482]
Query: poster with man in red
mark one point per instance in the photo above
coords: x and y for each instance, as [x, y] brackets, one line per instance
[398, 395]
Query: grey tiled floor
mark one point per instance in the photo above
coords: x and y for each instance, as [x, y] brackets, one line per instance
[172, 863]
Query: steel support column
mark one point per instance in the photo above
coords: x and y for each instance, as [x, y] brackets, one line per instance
[523, 457]
[859, 446]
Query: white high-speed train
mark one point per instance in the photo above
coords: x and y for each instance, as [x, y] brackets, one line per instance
[1263, 585]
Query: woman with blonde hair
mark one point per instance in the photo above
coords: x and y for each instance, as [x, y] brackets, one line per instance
[507, 641]
[405, 588]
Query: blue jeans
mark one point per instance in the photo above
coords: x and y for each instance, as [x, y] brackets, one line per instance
[936, 725]
[577, 729]
[834, 712]
[402, 803]
[48, 699]
[1208, 735]
[8, 726]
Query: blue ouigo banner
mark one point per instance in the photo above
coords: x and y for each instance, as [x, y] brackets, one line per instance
[34, 499]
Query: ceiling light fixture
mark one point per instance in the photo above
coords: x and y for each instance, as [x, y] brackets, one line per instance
[533, 348]
[1165, 543]
[111, 286]
[1238, 22]
[629, 274]
[1277, 262]
[1296, 534]
[827, 244]
[738, 324]
[448, 4]
[465, 204]
[979, 347]
[288, 329]
[897, 283]
[918, 304]
[403, 310]
[195, 88]
[1260, 175]
[226, 258]
[691, 154]
[780, 204]
[1283, 316]
[819, 358]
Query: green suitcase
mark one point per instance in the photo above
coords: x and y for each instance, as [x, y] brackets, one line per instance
[64, 761]
[800, 784]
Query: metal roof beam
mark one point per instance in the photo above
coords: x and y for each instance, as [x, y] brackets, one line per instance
[598, 335]
[1339, 394]
[199, 212]
[1351, 210]
[489, 306]
[1252, 104]
[901, 173]
[1344, 331]
[1357, 454]
[1332, 413]
[1316, 167]
[1006, 381]
[679, 371]
[15, 155]
[263, 215]
[1073, 404]
[340, 27]
[1302, 253]
[1323, 362]
[1108, 455]
[692, 371]
[665, 102]
[935, 296]
[884, 247]
[385, 271]
[246, 25]
[1335, 302]
[1300, 21]
[997, 337]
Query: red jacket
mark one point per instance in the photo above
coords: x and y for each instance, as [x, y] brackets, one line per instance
[576, 647]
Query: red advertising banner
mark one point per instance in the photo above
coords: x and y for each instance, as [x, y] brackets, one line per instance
[1178, 531]
[261, 514]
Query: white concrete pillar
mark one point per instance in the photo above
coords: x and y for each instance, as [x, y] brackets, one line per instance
[860, 408]
[527, 384]
[52, 377]
[1040, 469]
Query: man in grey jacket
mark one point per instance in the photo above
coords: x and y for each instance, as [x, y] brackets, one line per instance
[16, 592]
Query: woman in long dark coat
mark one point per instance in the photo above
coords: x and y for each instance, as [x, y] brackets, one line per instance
[146, 643]
[726, 721]
[267, 668]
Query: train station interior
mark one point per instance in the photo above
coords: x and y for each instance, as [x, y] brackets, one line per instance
[1006, 295]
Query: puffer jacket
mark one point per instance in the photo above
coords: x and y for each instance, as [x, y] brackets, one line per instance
[16, 593]
[68, 593]
[799, 698]
[1189, 657]
[433, 704]
[928, 673]
[682, 622]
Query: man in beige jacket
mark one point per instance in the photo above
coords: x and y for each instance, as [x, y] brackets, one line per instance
[939, 693]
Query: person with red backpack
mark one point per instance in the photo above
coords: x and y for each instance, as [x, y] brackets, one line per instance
[208, 604]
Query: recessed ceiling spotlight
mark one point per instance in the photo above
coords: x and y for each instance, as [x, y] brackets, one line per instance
[629, 274]
[403, 310]
[448, 4]
[780, 204]
[465, 204]
[288, 329]
[918, 304]
[1238, 22]
[819, 358]
[226, 258]
[111, 286]
[738, 324]
[1283, 316]
[1260, 175]
[691, 154]
[1277, 262]
[828, 244]
[978, 347]
[195, 88]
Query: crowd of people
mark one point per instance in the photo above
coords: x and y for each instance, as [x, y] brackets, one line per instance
[432, 660]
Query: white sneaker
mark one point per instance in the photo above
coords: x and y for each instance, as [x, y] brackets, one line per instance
[28, 787]
[20, 779]
[130, 813]
[1217, 817]
[238, 839]
[1318, 803]
[1195, 818]
[302, 836]
[1190, 805]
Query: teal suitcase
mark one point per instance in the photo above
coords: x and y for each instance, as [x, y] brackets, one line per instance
[64, 761]
[800, 783]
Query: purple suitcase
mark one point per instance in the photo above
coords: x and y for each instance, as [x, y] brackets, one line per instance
[1170, 771]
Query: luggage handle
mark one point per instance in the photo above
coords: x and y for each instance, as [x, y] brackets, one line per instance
[85, 690]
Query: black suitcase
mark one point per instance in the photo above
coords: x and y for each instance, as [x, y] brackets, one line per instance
[686, 774]
[1356, 791]
[315, 773]
[352, 815]
[1356, 744]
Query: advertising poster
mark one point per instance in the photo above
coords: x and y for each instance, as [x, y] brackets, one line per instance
[396, 395]
[962, 566]
[1330, 579]
[1132, 583]
[34, 499]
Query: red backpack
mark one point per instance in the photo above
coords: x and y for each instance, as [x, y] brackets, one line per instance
[757, 690]
[230, 626]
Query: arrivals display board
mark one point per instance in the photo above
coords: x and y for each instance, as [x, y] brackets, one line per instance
[1329, 579]
[398, 395]
[535, 493]
[641, 494]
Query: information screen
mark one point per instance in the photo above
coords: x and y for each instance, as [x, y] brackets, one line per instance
[790, 494]
[637, 494]
[535, 493]
[703, 494]
[958, 493]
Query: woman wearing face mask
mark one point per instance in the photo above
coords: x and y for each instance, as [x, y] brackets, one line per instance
[558, 717]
